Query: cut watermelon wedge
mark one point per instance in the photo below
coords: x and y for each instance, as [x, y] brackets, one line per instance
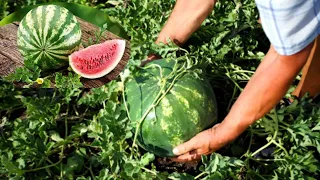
[97, 60]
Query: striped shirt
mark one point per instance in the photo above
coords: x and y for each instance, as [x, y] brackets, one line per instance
[290, 25]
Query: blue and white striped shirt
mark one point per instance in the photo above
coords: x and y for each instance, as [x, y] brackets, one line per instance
[290, 25]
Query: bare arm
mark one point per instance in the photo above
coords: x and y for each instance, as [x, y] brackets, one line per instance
[185, 19]
[264, 90]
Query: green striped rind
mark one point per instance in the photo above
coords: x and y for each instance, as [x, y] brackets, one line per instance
[47, 35]
[188, 108]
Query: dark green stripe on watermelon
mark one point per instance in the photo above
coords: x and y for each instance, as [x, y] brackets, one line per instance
[60, 38]
[36, 26]
[28, 39]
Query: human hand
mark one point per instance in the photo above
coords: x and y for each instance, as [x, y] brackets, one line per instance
[203, 143]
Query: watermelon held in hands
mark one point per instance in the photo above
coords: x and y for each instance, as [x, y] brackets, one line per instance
[188, 108]
[97, 60]
[47, 35]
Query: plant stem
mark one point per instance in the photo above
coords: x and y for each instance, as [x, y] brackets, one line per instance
[3, 137]
[277, 144]
[233, 95]
[66, 123]
[169, 88]
[142, 119]
[149, 171]
[91, 172]
[123, 96]
[155, 102]
[262, 148]
[71, 118]
[61, 172]
[45, 167]
[255, 173]
[270, 160]
[272, 140]
[243, 71]
[251, 137]
[199, 175]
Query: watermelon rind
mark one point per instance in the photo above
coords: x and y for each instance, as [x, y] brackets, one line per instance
[187, 109]
[47, 35]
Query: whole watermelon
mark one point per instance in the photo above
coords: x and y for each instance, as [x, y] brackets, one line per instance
[188, 108]
[47, 35]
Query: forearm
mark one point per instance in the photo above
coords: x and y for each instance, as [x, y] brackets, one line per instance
[264, 90]
[186, 18]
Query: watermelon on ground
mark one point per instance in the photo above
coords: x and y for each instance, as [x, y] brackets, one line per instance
[188, 108]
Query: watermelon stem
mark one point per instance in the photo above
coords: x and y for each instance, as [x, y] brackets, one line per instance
[157, 100]
[199, 175]
[156, 65]
[272, 141]
[151, 172]
[44, 167]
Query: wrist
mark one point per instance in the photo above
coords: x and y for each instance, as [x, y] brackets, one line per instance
[231, 127]
[185, 18]
[237, 122]
[168, 34]
[222, 134]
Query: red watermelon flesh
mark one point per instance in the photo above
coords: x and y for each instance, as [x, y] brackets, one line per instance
[97, 60]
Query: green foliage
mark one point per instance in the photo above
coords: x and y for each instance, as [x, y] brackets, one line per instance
[45, 135]
[29, 73]
[3, 9]
[74, 133]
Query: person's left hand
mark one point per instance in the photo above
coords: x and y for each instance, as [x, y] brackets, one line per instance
[151, 57]
[203, 143]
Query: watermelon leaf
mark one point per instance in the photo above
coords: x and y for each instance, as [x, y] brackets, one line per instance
[69, 85]
[12, 168]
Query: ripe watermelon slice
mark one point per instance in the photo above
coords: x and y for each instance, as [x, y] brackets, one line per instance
[97, 60]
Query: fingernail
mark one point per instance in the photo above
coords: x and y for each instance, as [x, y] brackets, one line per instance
[175, 151]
